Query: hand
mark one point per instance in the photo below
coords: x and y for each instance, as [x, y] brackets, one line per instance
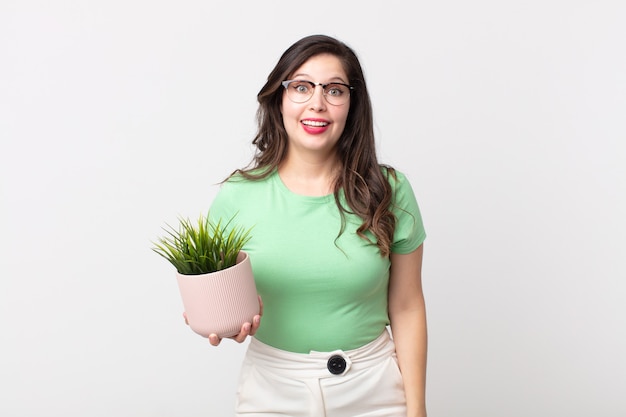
[247, 329]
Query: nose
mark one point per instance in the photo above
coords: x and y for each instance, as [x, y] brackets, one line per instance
[317, 101]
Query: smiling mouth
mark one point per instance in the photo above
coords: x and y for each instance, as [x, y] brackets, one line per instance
[314, 123]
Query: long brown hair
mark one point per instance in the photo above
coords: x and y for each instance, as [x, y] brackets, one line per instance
[364, 181]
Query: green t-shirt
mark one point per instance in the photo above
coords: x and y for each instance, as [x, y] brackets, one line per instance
[319, 292]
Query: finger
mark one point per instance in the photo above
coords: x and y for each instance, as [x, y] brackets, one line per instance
[245, 331]
[214, 339]
[260, 306]
[185, 317]
[256, 322]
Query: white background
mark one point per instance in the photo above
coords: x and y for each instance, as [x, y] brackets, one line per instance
[507, 116]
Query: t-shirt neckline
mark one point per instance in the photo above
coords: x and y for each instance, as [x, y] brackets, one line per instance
[300, 197]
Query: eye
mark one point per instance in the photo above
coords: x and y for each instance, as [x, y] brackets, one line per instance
[300, 87]
[335, 90]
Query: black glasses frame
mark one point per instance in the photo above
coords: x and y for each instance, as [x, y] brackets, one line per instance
[313, 85]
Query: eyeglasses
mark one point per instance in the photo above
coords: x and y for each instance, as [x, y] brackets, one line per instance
[301, 91]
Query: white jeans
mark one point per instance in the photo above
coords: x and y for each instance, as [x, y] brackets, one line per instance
[363, 382]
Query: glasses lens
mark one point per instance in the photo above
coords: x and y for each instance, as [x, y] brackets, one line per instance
[299, 91]
[337, 93]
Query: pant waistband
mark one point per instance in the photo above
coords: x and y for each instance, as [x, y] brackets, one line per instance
[317, 364]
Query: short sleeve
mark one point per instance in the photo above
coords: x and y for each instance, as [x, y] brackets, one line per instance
[229, 205]
[222, 208]
[409, 233]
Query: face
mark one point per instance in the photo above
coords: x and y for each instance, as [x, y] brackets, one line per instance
[316, 125]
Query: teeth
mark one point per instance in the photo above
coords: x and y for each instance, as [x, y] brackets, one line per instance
[314, 124]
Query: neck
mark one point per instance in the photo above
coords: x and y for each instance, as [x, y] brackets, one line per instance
[309, 176]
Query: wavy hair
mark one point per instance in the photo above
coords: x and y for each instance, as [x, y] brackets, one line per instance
[364, 181]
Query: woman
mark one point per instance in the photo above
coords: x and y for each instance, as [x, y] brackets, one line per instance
[336, 250]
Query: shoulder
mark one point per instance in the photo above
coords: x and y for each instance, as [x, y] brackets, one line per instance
[397, 179]
[239, 182]
[409, 230]
[238, 189]
[238, 192]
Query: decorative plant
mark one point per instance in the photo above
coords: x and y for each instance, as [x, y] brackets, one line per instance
[202, 248]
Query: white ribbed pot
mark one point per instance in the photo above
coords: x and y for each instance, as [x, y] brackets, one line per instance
[220, 302]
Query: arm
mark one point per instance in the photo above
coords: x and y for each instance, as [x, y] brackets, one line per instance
[407, 314]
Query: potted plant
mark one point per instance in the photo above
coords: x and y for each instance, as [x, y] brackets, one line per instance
[214, 274]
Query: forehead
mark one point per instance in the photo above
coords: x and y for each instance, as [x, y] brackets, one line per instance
[324, 66]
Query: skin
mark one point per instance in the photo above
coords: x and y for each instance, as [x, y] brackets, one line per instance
[309, 168]
[407, 313]
[311, 163]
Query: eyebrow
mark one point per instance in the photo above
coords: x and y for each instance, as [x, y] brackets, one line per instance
[333, 79]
